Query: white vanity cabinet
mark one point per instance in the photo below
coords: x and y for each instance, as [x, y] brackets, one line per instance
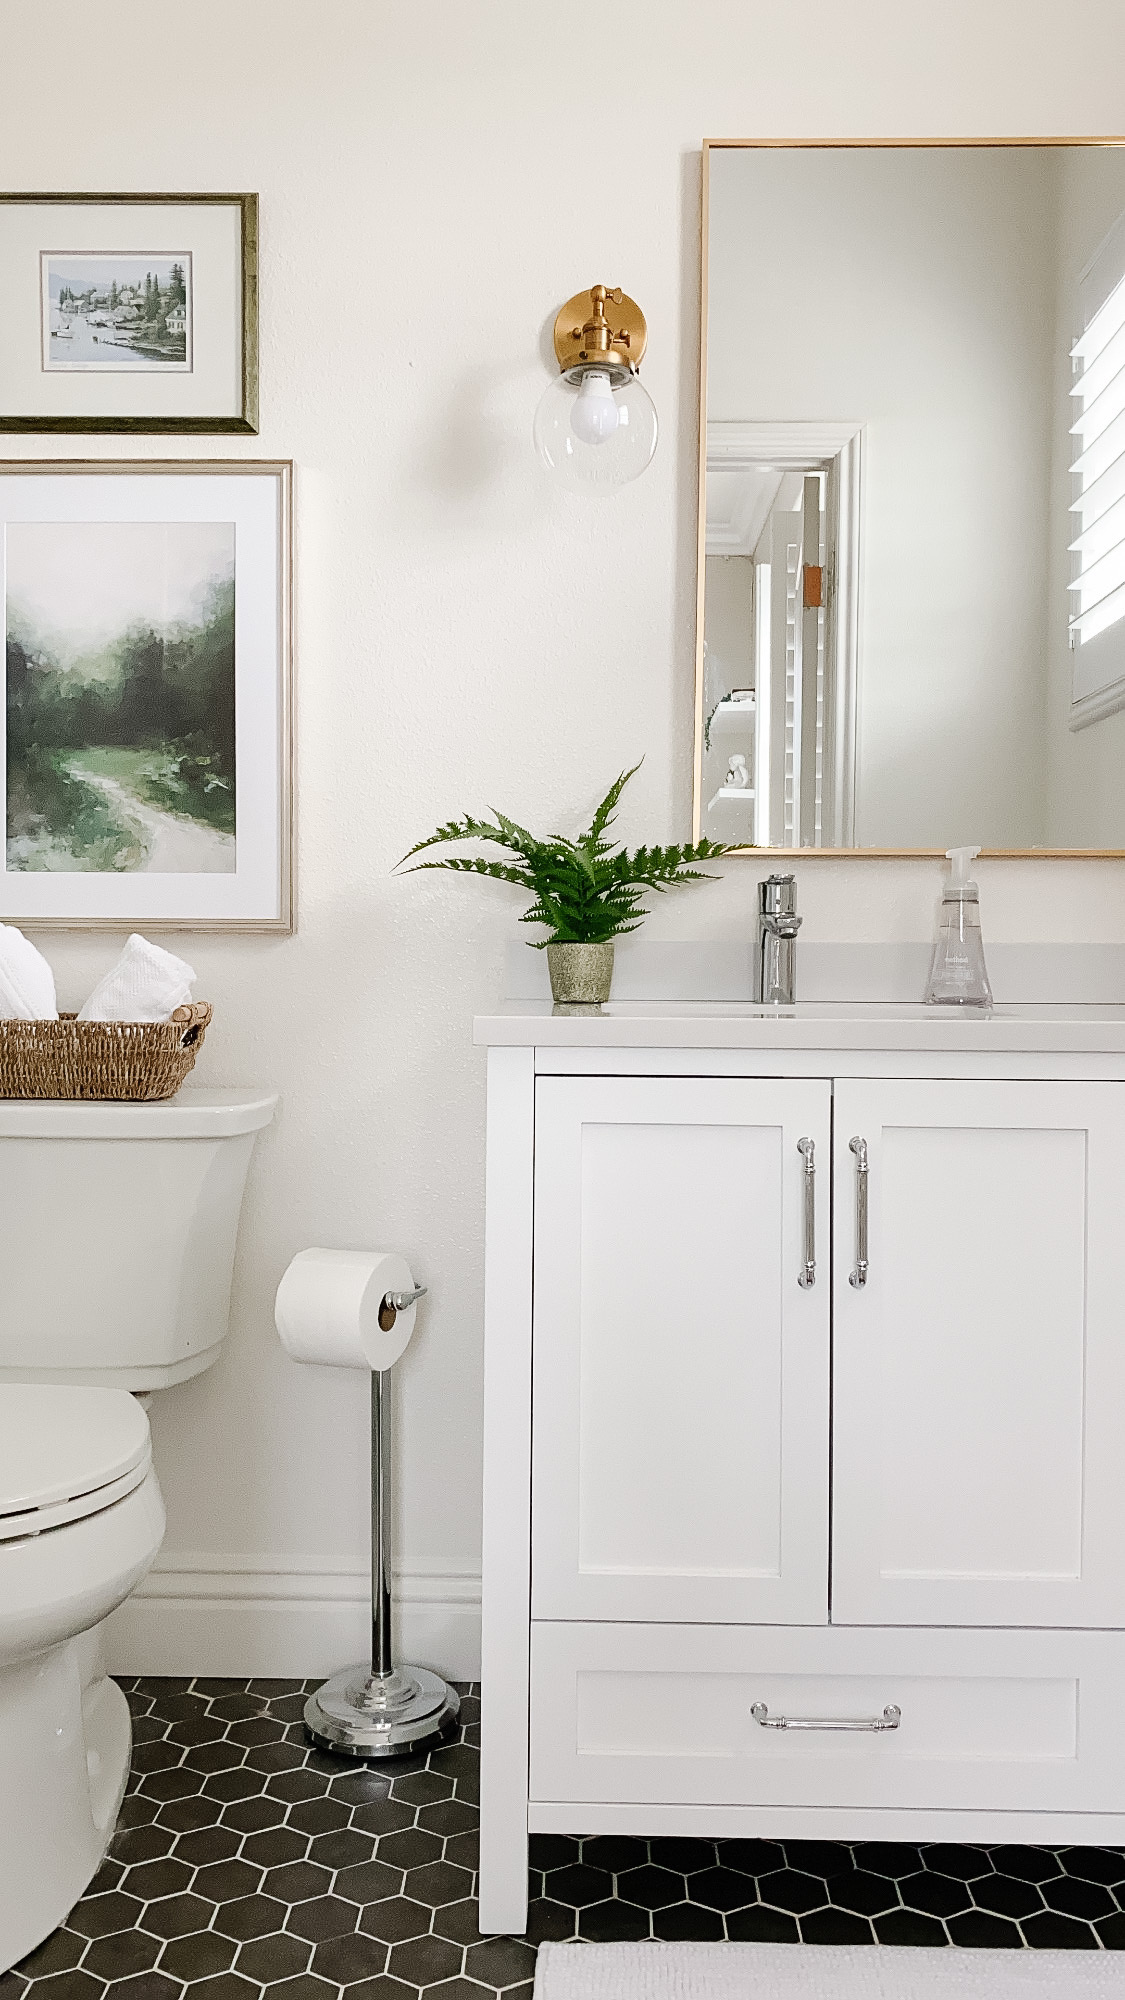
[728, 1486]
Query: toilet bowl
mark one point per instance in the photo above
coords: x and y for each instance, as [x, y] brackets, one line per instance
[81, 1520]
[118, 1225]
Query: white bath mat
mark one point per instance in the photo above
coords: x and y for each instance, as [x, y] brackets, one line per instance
[822, 1972]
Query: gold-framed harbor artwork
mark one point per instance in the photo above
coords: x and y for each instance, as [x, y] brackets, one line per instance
[146, 773]
[129, 312]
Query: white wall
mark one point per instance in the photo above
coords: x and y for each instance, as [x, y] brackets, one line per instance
[911, 292]
[730, 663]
[730, 618]
[465, 635]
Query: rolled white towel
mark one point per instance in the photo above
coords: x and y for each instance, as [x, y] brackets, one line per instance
[27, 984]
[146, 984]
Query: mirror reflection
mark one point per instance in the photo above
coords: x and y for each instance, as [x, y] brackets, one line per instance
[914, 595]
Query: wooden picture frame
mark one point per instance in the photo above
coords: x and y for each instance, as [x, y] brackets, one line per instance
[133, 313]
[147, 734]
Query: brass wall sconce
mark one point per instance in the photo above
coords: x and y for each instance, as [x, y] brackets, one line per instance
[595, 428]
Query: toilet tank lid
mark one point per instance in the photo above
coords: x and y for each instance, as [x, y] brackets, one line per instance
[191, 1114]
[57, 1442]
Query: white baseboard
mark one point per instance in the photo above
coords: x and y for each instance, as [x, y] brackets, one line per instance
[279, 1616]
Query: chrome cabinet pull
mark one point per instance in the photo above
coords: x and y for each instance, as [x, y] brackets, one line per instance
[890, 1719]
[807, 1150]
[858, 1277]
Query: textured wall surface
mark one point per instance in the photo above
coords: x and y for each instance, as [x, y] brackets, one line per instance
[430, 191]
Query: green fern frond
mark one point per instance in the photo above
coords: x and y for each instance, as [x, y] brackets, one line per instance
[500, 832]
[604, 816]
[455, 829]
[499, 870]
[660, 867]
[516, 837]
[583, 890]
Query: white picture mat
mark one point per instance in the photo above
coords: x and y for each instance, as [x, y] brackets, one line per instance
[213, 235]
[256, 891]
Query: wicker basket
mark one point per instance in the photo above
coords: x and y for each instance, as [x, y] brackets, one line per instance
[138, 1061]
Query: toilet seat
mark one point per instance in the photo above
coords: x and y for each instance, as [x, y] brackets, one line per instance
[66, 1453]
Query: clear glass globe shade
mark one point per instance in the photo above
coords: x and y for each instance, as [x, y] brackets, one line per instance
[598, 469]
[593, 417]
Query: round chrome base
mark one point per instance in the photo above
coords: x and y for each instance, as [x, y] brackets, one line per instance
[361, 1714]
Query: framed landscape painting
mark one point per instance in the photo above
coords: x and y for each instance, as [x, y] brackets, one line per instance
[146, 771]
[129, 312]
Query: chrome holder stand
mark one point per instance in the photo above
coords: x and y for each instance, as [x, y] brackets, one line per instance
[380, 1710]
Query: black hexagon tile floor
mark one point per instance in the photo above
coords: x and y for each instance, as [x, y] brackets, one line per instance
[248, 1864]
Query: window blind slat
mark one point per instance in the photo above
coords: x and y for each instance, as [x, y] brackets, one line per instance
[1099, 413]
[1102, 533]
[1102, 450]
[1095, 499]
[1097, 580]
[1095, 374]
[1100, 330]
[1095, 618]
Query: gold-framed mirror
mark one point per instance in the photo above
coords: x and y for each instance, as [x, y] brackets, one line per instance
[911, 597]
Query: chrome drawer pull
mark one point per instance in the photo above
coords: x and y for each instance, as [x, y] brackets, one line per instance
[858, 1277]
[890, 1719]
[807, 1150]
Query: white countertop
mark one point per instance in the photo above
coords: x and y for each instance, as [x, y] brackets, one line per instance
[1066, 1028]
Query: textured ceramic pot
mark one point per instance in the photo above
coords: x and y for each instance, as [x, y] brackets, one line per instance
[581, 974]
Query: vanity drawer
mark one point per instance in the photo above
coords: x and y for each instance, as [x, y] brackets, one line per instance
[1015, 1720]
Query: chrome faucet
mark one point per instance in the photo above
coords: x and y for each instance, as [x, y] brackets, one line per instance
[778, 924]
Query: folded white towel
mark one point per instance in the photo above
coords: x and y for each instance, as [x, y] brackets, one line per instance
[146, 984]
[27, 984]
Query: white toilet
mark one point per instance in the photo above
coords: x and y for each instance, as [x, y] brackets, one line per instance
[117, 1233]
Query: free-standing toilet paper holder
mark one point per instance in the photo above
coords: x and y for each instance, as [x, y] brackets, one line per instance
[381, 1710]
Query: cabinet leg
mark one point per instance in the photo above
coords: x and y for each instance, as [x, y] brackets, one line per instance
[502, 1884]
[502, 1877]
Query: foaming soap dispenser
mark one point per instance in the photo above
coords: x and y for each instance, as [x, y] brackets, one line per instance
[958, 974]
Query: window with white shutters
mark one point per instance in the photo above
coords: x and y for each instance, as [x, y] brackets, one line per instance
[1097, 508]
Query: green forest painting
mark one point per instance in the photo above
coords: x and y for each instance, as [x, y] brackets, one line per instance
[120, 696]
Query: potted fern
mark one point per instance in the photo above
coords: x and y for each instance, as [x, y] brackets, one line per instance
[587, 892]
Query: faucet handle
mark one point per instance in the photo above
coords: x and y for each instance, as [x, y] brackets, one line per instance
[778, 925]
[777, 896]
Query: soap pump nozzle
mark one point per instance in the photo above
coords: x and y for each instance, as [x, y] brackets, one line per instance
[959, 883]
[958, 974]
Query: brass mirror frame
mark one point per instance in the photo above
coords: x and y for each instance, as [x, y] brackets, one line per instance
[831, 853]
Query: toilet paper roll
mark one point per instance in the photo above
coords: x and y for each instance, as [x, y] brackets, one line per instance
[327, 1308]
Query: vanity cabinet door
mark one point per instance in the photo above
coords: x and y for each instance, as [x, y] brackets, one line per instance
[681, 1368]
[979, 1371]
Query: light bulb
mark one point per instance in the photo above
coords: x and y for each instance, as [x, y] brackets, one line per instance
[594, 415]
[579, 445]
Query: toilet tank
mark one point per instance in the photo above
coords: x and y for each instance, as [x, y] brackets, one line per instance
[118, 1225]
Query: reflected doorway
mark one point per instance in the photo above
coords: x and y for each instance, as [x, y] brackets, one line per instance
[780, 634]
